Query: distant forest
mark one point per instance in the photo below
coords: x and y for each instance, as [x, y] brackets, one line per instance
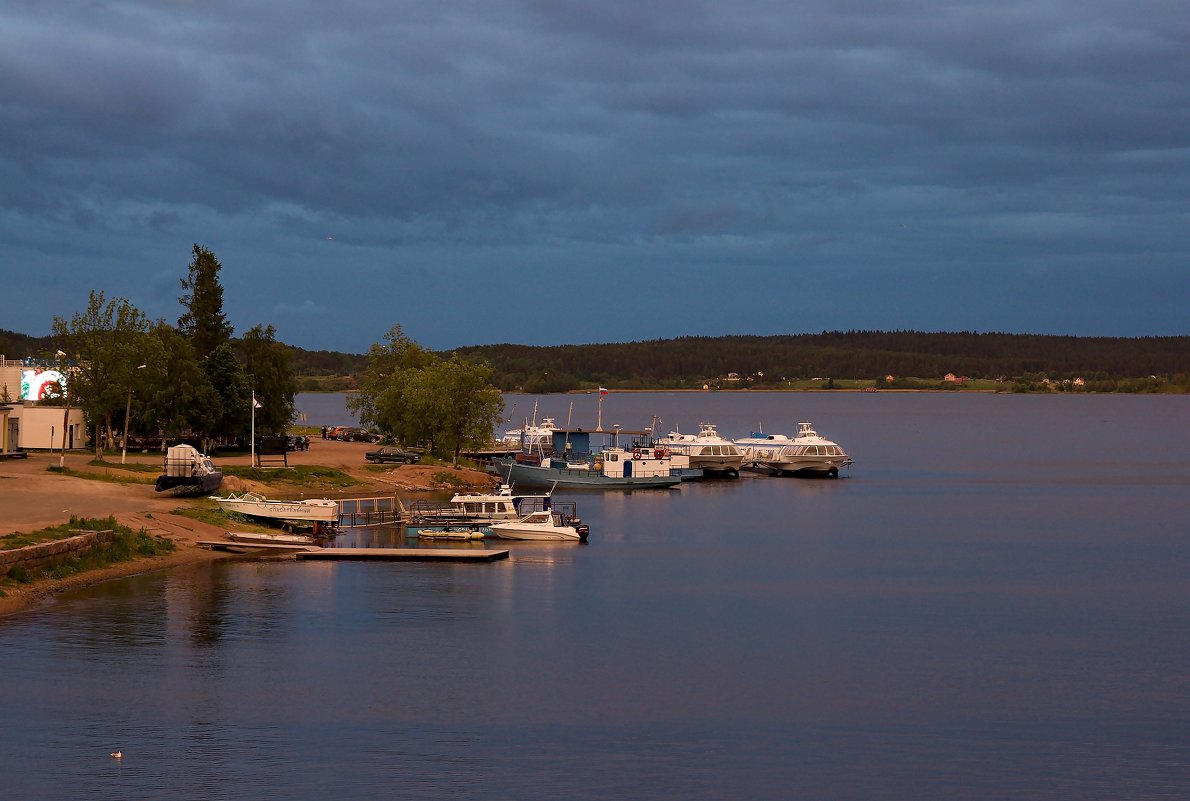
[913, 360]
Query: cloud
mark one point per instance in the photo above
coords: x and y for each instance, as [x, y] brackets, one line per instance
[441, 144]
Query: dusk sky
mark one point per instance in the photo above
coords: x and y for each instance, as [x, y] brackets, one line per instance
[552, 171]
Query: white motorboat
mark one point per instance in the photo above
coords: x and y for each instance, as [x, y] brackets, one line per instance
[558, 524]
[317, 510]
[706, 451]
[477, 509]
[531, 436]
[806, 454]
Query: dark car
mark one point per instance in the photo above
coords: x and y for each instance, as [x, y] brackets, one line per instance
[359, 435]
[393, 455]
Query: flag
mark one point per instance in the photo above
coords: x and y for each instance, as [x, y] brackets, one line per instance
[602, 391]
[255, 402]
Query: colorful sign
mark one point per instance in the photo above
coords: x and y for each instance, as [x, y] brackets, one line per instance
[37, 384]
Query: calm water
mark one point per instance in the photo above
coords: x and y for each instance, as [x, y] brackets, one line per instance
[994, 605]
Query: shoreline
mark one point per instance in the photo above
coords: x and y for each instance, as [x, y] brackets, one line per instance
[35, 498]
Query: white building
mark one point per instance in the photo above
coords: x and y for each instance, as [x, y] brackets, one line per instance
[27, 424]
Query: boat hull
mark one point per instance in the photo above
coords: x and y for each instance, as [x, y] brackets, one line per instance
[535, 476]
[511, 531]
[314, 512]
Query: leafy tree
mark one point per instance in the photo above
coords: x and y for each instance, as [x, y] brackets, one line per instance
[266, 363]
[382, 401]
[232, 387]
[203, 322]
[179, 398]
[411, 394]
[457, 400]
[105, 342]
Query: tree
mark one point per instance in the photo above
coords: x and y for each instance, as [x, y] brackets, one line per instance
[232, 387]
[179, 398]
[203, 322]
[381, 402]
[460, 404]
[266, 363]
[411, 394]
[106, 343]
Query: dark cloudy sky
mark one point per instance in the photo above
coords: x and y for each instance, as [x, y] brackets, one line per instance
[554, 171]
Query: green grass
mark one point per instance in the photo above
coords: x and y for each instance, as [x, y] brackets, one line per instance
[214, 516]
[127, 545]
[131, 467]
[304, 475]
[113, 478]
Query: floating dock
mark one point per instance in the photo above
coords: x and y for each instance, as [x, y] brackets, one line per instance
[360, 554]
[406, 554]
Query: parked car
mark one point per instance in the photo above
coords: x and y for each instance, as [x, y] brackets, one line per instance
[393, 454]
[359, 435]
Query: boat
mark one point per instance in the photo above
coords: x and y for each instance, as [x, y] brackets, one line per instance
[610, 468]
[530, 436]
[558, 524]
[806, 454]
[706, 450]
[267, 538]
[450, 533]
[188, 471]
[317, 510]
[475, 509]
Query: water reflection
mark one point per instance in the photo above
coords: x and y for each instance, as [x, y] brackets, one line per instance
[949, 622]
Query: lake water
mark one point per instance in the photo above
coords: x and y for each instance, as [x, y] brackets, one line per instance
[993, 605]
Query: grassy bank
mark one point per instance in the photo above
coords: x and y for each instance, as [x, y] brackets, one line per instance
[126, 546]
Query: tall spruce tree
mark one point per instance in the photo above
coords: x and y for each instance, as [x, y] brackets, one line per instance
[203, 322]
[266, 363]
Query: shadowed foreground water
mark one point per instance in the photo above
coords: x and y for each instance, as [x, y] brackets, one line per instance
[994, 605]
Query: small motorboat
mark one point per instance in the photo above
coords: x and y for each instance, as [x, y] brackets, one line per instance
[559, 524]
[321, 510]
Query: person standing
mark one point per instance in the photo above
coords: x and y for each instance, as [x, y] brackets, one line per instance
[324, 432]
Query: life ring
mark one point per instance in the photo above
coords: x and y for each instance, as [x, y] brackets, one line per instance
[636, 453]
[660, 453]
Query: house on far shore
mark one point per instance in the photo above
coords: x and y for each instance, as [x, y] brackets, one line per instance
[954, 379]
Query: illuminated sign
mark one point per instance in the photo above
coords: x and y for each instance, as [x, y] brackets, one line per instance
[36, 384]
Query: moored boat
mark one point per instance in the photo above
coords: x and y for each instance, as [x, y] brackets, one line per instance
[806, 454]
[560, 524]
[476, 509]
[611, 468]
[318, 510]
[706, 450]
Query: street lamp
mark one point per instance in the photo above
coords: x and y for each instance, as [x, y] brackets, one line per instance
[65, 412]
[127, 414]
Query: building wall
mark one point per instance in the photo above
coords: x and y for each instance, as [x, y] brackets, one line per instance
[34, 427]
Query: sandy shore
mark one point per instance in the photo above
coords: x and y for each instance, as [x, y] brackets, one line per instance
[33, 498]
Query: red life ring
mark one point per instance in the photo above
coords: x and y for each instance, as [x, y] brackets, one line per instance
[636, 453]
[659, 453]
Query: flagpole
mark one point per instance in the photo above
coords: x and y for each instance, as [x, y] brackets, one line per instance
[253, 435]
[599, 420]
